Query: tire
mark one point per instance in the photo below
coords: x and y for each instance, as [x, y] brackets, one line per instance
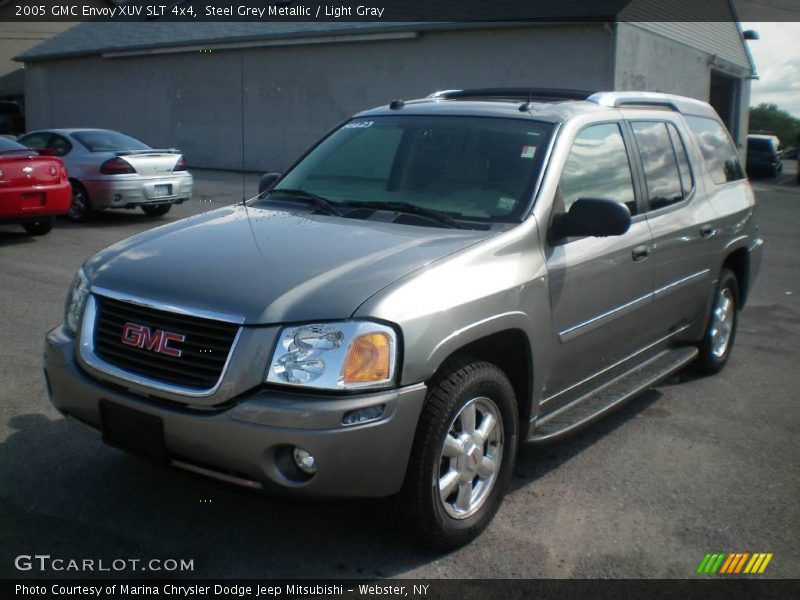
[80, 207]
[156, 210]
[38, 227]
[717, 343]
[462, 386]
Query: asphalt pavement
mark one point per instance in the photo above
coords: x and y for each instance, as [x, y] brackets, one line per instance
[696, 465]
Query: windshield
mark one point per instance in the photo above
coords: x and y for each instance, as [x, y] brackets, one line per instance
[467, 167]
[108, 141]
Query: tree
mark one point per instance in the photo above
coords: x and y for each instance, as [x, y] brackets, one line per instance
[769, 118]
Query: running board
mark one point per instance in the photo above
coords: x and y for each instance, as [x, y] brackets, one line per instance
[610, 396]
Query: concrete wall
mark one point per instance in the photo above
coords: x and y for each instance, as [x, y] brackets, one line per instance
[274, 102]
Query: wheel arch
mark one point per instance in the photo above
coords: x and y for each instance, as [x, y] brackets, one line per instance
[511, 350]
[738, 261]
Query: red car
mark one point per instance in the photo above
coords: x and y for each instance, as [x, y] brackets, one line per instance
[33, 187]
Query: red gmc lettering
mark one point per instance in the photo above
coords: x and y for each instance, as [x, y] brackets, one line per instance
[143, 337]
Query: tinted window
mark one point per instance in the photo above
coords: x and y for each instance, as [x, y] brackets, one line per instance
[687, 179]
[718, 150]
[470, 167]
[60, 145]
[108, 141]
[35, 140]
[760, 145]
[660, 166]
[598, 167]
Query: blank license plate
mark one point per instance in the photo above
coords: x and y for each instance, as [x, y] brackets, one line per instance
[162, 190]
[133, 431]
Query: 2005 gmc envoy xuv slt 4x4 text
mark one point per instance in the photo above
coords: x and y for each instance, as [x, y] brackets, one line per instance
[433, 283]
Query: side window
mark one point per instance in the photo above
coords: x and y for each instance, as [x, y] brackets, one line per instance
[687, 181]
[660, 166]
[718, 150]
[60, 145]
[598, 167]
[35, 140]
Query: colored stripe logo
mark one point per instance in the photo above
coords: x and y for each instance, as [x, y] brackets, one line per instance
[734, 563]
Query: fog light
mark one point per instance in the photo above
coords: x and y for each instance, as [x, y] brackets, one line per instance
[304, 461]
[363, 415]
[116, 197]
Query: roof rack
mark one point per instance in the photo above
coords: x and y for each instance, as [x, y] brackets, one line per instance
[524, 94]
[679, 104]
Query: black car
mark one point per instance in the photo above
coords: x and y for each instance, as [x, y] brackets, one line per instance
[762, 155]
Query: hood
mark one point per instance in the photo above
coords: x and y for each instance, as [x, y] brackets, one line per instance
[271, 266]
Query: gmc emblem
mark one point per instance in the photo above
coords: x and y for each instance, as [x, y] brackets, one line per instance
[147, 339]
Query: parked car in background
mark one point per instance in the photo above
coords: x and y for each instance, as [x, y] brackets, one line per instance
[763, 155]
[108, 169]
[33, 188]
[433, 283]
[12, 121]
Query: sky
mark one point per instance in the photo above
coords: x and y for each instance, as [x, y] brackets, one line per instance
[777, 58]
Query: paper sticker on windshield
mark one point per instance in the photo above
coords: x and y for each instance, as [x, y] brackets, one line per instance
[528, 151]
[358, 125]
[506, 203]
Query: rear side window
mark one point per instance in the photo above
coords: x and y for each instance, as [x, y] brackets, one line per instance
[36, 140]
[598, 167]
[718, 150]
[660, 165]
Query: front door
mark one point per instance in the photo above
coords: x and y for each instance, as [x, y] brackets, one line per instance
[600, 288]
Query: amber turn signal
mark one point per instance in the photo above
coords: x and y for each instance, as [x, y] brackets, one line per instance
[368, 359]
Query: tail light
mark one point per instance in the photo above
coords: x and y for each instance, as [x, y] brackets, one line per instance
[116, 166]
[181, 166]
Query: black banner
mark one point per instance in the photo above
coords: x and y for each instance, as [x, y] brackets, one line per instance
[255, 11]
[429, 589]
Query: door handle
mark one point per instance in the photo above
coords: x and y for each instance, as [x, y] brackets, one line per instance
[707, 231]
[640, 253]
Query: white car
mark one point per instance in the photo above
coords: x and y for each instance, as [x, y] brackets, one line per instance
[108, 169]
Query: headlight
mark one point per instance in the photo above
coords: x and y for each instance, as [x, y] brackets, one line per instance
[335, 356]
[76, 300]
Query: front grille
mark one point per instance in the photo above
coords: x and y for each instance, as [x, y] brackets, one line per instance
[204, 350]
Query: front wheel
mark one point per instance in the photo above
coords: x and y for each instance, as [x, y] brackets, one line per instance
[716, 346]
[463, 453]
[156, 210]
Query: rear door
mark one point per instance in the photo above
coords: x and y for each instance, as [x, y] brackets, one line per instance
[682, 223]
[600, 288]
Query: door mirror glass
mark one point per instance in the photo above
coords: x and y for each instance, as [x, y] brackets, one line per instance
[597, 217]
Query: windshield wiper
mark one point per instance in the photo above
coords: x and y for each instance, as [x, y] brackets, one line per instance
[317, 201]
[411, 209]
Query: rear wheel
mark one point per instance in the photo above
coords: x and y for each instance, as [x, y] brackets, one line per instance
[463, 454]
[156, 210]
[80, 208]
[38, 227]
[717, 343]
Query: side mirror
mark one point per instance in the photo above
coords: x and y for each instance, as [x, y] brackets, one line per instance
[595, 217]
[267, 181]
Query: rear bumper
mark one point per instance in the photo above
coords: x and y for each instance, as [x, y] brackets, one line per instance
[248, 443]
[29, 203]
[121, 191]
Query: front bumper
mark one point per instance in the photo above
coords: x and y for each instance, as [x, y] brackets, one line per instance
[121, 191]
[247, 442]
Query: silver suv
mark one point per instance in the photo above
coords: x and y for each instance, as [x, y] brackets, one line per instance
[431, 284]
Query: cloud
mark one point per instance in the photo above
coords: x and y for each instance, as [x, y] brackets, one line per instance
[778, 65]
